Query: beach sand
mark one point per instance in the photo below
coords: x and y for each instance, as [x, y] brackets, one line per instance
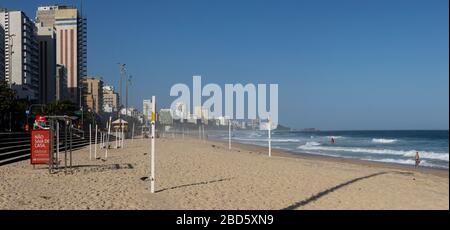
[194, 174]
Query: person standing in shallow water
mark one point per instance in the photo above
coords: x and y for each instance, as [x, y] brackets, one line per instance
[417, 159]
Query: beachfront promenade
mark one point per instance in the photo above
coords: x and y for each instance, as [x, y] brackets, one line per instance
[195, 174]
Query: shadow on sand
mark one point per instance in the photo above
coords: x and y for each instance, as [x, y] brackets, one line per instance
[195, 184]
[96, 168]
[330, 190]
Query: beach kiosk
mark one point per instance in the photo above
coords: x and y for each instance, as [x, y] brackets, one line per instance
[120, 124]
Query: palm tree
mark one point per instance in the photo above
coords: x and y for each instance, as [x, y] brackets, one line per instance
[7, 99]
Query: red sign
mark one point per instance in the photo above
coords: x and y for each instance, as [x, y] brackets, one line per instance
[40, 119]
[41, 146]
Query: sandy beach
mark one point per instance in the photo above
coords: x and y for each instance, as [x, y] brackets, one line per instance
[194, 174]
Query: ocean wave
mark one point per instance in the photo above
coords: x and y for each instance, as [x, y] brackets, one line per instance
[405, 162]
[410, 153]
[335, 137]
[265, 140]
[256, 134]
[312, 143]
[383, 160]
[384, 141]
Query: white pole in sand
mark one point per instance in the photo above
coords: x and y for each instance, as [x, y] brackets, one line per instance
[152, 176]
[107, 140]
[95, 148]
[122, 138]
[270, 138]
[116, 140]
[57, 141]
[229, 134]
[90, 142]
[101, 140]
[203, 133]
[132, 134]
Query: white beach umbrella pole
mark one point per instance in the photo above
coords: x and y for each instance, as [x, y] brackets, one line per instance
[270, 138]
[123, 139]
[107, 138]
[203, 133]
[57, 142]
[117, 145]
[95, 146]
[90, 142]
[229, 134]
[152, 163]
[132, 134]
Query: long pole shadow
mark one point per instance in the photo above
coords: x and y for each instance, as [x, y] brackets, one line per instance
[330, 190]
[194, 184]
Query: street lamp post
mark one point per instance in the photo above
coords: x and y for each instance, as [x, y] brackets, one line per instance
[80, 86]
[128, 82]
[122, 75]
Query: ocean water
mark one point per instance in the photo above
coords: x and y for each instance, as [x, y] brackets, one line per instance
[383, 146]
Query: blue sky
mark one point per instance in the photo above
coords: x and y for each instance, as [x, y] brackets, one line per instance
[340, 65]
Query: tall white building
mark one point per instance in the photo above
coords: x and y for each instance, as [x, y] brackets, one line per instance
[46, 37]
[181, 111]
[21, 54]
[201, 112]
[71, 43]
[147, 109]
[110, 100]
[130, 112]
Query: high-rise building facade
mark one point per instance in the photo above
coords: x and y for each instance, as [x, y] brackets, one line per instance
[93, 94]
[21, 54]
[61, 92]
[46, 36]
[110, 100]
[71, 42]
[2, 53]
[147, 109]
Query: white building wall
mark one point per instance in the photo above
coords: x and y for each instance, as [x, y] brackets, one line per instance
[21, 54]
[71, 43]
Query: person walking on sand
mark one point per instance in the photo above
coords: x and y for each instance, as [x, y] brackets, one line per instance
[417, 159]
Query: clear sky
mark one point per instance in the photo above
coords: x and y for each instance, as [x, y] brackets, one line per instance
[340, 64]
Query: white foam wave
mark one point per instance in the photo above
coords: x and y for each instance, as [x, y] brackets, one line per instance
[285, 140]
[255, 134]
[265, 140]
[384, 141]
[312, 143]
[335, 137]
[408, 162]
[410, 153]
